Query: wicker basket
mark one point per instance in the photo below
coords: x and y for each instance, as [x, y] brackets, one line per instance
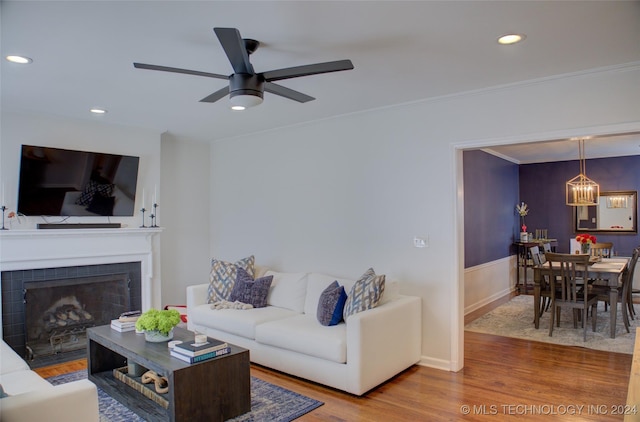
[121, 374]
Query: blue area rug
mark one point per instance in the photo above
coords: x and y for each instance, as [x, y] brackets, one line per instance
[268, 403]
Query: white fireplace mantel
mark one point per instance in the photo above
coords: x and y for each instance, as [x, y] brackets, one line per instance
[53, 248]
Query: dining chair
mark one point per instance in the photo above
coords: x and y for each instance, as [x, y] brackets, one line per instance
[602, 250]
[539, 259]
[567, 290]
[625, 288]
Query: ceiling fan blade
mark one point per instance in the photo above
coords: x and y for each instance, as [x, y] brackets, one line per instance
[306, 70]
[219, 94]
[287, 93]
[177, 70]
[235, 49]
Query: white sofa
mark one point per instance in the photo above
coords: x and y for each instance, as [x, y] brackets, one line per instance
[31, 398]
[356, 356]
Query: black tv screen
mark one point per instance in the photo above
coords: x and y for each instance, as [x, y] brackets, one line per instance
[61, 182]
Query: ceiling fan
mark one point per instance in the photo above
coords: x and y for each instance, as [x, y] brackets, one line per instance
[246, 87]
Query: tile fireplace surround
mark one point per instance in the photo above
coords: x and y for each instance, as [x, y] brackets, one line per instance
[36, 249]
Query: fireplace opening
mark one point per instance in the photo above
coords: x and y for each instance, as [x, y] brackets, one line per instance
[46, 311]
[58, 312]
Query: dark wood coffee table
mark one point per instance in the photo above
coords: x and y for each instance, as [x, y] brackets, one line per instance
[213, 390]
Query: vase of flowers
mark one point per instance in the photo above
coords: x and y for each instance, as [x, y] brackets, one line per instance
[523, 210]
[585, 241]
[158, 324]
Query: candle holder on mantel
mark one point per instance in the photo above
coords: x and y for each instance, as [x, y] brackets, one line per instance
[154, 215]
[143, 210]
[3, 208]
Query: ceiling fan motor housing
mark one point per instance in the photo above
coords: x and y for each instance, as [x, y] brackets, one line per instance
[245, 84]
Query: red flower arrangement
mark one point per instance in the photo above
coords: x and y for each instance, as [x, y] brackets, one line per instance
[586, 238]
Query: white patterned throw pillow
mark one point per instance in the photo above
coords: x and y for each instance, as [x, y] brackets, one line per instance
[223, 275]
[365, 293]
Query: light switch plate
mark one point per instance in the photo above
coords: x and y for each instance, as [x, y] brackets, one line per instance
[420, 242]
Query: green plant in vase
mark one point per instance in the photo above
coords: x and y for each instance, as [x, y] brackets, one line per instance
[158, 324]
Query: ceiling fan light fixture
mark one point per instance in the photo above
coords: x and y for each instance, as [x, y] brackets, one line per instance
[242, 101]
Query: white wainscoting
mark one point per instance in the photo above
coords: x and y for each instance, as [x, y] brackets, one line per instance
[487, 282]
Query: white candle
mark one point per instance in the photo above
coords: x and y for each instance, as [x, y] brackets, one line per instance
[142, 198]
[155, 195]
[3, 202]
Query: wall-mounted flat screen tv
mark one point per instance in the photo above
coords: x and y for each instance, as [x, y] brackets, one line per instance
[61, 182]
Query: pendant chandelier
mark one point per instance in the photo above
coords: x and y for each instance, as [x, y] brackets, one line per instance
[582, 191]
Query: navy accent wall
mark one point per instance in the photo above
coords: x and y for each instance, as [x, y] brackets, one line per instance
[542, 187]
[490, 196]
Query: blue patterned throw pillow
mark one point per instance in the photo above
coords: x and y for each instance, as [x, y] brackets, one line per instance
[331, 304]
[223, 276]
[365, 293]
[248, 290]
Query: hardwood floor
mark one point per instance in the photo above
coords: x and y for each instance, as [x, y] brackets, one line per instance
[503, 377]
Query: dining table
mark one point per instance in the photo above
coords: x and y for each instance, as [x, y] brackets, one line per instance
[609, 270]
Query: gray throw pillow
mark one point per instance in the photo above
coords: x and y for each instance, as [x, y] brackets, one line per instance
[331, 304]
[248, 290]
[223, 275]
[365, 293]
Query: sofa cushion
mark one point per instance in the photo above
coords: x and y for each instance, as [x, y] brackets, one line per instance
[241, 322]
[304, 334]
[223, 275]
[19, 382]
[331, 304]
[288, 290]
[365, 294]
[316, 283]
[248, 290]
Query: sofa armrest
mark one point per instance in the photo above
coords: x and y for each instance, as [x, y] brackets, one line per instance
[383, 341]
[196, 295]
[77, 400]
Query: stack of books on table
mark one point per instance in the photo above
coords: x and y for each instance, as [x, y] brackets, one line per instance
[192, 352]
[126, 321]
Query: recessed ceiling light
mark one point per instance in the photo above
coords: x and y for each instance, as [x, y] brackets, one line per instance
[509, 39]
[19, 59]
[98, 110]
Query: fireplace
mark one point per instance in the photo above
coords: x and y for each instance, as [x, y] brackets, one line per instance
[59, 256]
[45, 312]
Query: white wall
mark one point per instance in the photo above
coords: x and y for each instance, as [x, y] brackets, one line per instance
[488, 282]
[183, 212]
[344, 194]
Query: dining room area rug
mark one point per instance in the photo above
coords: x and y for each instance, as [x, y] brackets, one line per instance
[515, 319]
[269, 402]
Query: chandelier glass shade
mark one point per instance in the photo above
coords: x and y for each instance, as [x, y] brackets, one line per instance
[582, 191]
